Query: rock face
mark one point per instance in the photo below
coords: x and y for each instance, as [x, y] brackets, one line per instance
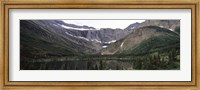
[168, 24]
[133, 26]
[103, 35]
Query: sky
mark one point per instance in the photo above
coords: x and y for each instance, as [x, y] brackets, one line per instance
[104, 23]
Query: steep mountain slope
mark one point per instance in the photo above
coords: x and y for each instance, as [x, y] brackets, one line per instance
[143, 40]
[38, 39]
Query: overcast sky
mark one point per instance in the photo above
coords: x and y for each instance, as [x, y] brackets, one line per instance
[104, 23]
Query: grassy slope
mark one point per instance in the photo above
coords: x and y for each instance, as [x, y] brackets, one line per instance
[161, 43]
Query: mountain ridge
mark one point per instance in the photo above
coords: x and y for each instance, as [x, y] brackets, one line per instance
[92, 40]
[136, 38]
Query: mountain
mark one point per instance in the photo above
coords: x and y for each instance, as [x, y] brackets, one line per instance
[103, 36]
[71, 39]
[40, 38]
[133, 26]
[168, 24]
[144, 40]
[106, 36]
[57, 45]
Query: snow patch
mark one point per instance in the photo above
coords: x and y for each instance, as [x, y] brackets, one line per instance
[122, 44]
[170, 29]
[77, 36]
[83, 38]
[132, 27]
[81, 29]
[70, 34]
[104, 46]
[96, 40]
[110, 42]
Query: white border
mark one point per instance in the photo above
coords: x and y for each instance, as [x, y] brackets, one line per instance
[103, 75]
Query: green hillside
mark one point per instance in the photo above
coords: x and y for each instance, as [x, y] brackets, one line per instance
[162, 43]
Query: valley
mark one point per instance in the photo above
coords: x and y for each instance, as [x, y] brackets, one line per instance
[57, 45]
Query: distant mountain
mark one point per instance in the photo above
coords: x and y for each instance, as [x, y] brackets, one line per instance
[103, 36]
[168, 24]
[133, 26]
[144, 40]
